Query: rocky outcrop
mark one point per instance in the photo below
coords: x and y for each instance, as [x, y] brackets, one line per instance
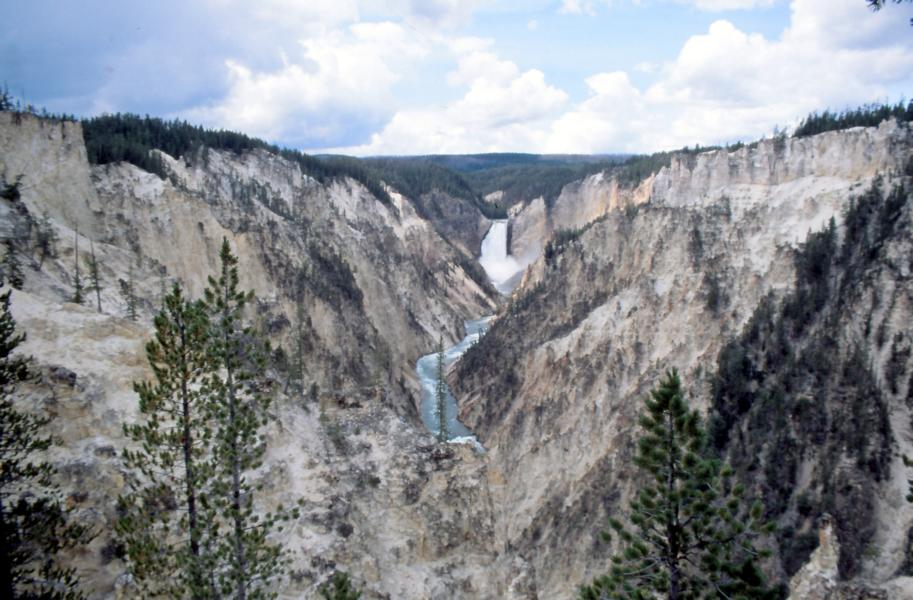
[457, 219]
[554, 388]
[818, 579]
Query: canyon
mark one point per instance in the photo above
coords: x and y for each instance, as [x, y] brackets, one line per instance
[594, 294]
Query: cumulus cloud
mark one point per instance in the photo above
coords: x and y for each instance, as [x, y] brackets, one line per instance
[502, 107]
[576, 7]
[721, 5]
[729, 84]
[401, 76]
[337, 87]
[724, 84]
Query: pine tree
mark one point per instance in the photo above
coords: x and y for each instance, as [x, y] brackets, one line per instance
[12, 268]
[296, 372]
[168, 525]
[879, 4]
[440, 394]
[163, 285]
[340, 587]
[34, 527]
[46, 239]
[77, 279]
[239, 416]
[128, 293]
[692, 534]
[94, 278]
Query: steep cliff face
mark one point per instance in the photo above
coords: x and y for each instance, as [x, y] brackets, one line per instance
[368, 274]
[554, 389]
[811, 404]
[376, 284]
[457, 219]
[579, 204]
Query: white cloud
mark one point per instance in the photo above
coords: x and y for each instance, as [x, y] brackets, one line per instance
[576, 7]
[503, 107]
[721, 5]
[339, 86]
[724, 84]
[338, 82]
[532, 24]
[727, 83]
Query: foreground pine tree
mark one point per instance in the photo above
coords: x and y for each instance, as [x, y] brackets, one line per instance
[692, 532]
[167, 527]
[34, 527]
[248, 561]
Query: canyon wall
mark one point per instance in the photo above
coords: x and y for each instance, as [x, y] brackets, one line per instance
[376, 285]
[554, 389]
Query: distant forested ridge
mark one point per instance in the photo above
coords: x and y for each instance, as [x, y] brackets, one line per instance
[415, 177]
[529, 181]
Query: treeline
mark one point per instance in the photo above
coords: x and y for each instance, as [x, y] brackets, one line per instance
[868, 115]
[415, 177]
[637, 168]
[521, 182]
[466, 163]
[131, 138]
[10, 104]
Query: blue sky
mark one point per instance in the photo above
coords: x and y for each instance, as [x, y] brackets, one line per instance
[452, 76]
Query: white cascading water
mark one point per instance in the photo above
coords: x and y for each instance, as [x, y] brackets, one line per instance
[501, 267]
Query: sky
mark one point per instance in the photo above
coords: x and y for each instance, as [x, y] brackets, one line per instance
[373, 77]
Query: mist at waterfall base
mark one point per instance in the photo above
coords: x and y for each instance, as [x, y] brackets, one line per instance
[503, 270]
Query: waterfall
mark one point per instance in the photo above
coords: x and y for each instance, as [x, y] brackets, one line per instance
[502, 268]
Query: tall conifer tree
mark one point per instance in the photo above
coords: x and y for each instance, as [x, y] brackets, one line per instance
[692, 532]
[168, 524]
[45, 239]
[128, 293]
[78, 296]
[249, 560]
[12, 268]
